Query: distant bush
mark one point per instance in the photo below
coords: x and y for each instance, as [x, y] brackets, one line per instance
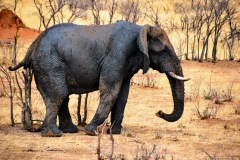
[145, 80]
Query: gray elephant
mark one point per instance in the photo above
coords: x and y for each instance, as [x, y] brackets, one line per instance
[73, 59]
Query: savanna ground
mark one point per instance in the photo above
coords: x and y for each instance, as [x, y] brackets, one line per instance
[189, 138]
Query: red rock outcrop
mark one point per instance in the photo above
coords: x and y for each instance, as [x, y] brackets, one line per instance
[9, 23]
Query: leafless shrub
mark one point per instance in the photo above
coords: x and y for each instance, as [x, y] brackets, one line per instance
[143, 153]
[147, 80]
[100, 154]
[146, 154]
[99, 133]
[8, 88]
[128, 133]
[211, 157]
[227, 96]
[219, 96]
[210, 111]
[214, 94]
[194, 93]
[158, 135]
[210, 94]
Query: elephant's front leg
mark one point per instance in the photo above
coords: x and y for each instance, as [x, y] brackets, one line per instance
[117, 111]
[108, 95]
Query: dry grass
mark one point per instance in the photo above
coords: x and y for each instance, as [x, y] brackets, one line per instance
[181, 139]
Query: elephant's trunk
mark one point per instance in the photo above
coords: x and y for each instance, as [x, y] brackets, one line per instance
[177, 87]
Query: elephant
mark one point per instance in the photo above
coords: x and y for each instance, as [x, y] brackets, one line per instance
[75, 59]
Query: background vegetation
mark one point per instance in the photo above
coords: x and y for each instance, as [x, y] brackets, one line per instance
[200, 30]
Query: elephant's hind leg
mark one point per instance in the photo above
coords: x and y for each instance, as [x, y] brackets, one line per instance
[54, 90]
[65, 121]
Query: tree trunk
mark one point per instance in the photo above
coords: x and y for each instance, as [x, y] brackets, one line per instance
[205, 48]
[11, 103]
[214, 50]
[206, 51]
[79, 118]
[85, 110]
[193, 47]
[26, 110]
[198, 45]
[187, 42]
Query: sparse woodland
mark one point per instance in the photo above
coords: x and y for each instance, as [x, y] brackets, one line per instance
[200, 30]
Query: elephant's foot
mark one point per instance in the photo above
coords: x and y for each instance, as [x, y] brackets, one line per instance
[90, 130]
[68, 128]
[115, 130]
[51, 133]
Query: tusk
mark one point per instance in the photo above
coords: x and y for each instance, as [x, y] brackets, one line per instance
[173, 75]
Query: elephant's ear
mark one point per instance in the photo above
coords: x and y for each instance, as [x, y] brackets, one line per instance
[143, 46]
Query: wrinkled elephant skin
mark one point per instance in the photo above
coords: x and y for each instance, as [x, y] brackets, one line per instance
[73, 59]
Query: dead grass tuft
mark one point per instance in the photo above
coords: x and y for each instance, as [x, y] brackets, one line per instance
[143, 153]
[210, 111]
[237, 108]
[158, 135]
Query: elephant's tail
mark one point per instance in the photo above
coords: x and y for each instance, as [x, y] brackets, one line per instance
[26, 62]
[17, 66]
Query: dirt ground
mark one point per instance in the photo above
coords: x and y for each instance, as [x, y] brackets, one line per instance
[144, 134]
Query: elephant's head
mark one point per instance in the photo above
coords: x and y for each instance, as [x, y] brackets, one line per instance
[159, 54]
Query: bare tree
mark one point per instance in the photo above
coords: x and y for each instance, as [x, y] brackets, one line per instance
[152, 12]
[26, 117]
[131, 10]
[197, 22]
[208, 14]
[9, 92]
[233, 30]
[77, 9]
[48, 12]
[183, 9]
[97, 6]
[220, 18]
[112, 7]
